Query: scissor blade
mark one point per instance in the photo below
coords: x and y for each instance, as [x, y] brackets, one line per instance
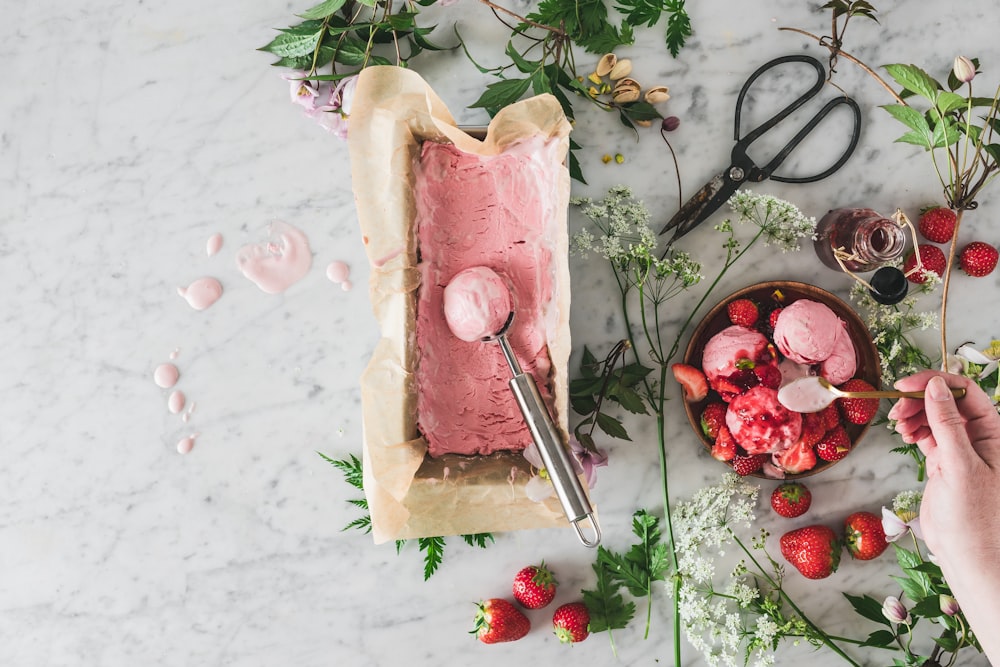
[696, 209]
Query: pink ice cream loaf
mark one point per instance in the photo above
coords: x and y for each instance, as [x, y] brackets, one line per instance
[498, 212]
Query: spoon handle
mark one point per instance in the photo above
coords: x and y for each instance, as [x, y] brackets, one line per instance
[957, 392]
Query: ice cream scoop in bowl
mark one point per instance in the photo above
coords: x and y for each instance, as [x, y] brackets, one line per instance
[814, 393]
[478, 306]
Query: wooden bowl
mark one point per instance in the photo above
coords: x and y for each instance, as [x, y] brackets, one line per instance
[767, 293]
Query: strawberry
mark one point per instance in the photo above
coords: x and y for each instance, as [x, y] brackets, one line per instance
[713, 417]
[571, 622]
[813, 550]
[746, 465]
[773, 317]
[724, 448]
[835, 445]
[931, 257]
[831, 417]
[693, 380]
[791, 499]
[937, 224]
[857, 410]
[727, 389]
[768, 375]
[499, 621]
[978, 259]
[534, 586]
[864, 535]
[812, 428]
[743, 312]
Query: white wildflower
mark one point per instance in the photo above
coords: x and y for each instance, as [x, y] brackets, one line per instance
[781, 222]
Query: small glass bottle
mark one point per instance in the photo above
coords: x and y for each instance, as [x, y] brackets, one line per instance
[867, 239]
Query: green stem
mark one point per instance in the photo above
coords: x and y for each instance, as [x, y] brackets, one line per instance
[825, 638]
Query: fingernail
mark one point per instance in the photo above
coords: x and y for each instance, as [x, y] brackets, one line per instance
[937, 389]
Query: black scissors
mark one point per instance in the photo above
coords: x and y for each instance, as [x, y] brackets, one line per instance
[742, 169]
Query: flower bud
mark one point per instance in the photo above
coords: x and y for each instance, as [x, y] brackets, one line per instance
[964, 70]
[670, 123]
[949, 605]
[894, 610]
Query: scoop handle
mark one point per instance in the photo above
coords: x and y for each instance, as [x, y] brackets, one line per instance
[555, 457]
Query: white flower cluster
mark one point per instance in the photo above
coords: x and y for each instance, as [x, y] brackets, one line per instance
[889, 326]
[781, 222]
[907, 502]
[626, 239]
[703, 527]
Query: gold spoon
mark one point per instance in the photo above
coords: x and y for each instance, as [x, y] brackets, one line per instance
[957, 392]
[814, 393]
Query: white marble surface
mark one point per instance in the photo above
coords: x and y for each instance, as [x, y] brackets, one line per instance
[131, 132]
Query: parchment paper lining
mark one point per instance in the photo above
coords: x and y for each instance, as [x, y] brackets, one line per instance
[409, 494]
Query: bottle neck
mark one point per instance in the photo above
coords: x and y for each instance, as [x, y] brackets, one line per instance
[878, 240]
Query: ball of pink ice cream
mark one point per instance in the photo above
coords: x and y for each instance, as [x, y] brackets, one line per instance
[760, 424]
[840, 366]
[806, 331]
[477, 303]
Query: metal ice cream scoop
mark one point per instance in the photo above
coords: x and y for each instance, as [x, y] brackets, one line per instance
[547, 439]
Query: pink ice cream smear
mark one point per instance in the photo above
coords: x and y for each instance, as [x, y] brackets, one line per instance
[494, 212]
[477, 304]
[760, 424]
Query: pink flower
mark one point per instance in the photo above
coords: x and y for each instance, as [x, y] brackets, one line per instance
[895, 612]
[302, 92]
[585, 462]
[964, 69]
[896, 528]
[332, 116]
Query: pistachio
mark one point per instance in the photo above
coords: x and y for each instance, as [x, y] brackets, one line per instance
[606, 64]
[625, 91]
[621, 69]
[594, 92]
[657, 94]
[595, 78]
[644, 123]
[606, 158]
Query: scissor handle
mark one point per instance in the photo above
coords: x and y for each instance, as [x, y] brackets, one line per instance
[755, 173]
[781, 115]
[809, 127]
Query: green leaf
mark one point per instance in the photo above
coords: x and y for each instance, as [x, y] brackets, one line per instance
[868, 607]
[911, 588]
[522, 64]
[481, 540]
[540, 83]
[948, 101]
[351, 53]
[575, 172]
[433, 548]
[929, 607]
[910, 117]
[323, 9]
[293, 44]
[915, 138]
[993, 150]
[914, 79]
[502, 93]
[351, 468]
[949, 644]
[583, 405]
[678, 30]
[612, 426]
[880, 638]
[585, 386]
[628, 399]
[420, 37]
[589, 365]
[945, 133]
[608, 609]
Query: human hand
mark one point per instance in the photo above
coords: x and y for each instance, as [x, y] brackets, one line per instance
[958, 516]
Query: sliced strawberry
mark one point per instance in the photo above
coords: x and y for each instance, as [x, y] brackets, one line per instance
[796, 459]
[768, 375]
[712, 418]
[693, 380]
[724, 448]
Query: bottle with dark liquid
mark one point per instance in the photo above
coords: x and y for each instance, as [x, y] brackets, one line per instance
[867, 239]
